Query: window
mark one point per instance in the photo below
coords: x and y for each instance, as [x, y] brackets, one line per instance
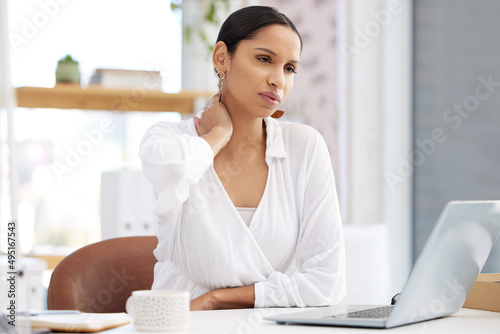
[126, 34]
[63, 152]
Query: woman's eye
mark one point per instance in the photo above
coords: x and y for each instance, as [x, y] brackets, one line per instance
[264, 59]
[290, 69]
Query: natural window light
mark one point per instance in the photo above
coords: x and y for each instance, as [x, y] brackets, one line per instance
[62, 153]
[124, 34]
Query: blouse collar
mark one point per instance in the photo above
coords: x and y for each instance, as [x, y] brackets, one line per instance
[275, 147]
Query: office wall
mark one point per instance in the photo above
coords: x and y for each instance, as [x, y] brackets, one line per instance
[313, 99]
[456, 109]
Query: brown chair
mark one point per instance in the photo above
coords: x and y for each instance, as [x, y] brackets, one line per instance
[100, 277]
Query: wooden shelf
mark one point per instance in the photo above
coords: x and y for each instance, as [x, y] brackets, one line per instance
[97, 98]
[52, 260]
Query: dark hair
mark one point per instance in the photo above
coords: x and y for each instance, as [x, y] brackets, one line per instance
[244, 24]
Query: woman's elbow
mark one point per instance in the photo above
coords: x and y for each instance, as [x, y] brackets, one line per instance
[325, 291]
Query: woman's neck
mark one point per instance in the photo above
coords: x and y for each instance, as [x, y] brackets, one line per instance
[248, 131]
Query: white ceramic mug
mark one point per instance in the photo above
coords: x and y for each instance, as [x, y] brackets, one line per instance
[159, 310]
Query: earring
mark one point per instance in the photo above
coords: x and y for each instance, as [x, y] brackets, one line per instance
[220, 75]
[278, 114]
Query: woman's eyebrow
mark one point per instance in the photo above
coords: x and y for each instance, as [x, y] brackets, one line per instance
[275, 54]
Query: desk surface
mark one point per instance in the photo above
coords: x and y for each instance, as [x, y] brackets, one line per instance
[247, 321]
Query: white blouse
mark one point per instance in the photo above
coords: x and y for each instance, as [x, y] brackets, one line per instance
[292, 251]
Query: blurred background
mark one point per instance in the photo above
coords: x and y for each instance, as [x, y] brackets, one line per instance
[405, 93]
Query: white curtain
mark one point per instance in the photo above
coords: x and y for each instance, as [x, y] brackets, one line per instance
[8, 156]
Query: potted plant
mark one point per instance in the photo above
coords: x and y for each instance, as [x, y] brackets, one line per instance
[67, 71]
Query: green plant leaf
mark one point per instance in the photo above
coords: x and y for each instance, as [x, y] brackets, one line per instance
[210, 14]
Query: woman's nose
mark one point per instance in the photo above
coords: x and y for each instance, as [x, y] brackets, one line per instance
[277, 79]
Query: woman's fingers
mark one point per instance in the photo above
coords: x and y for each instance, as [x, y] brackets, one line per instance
[214, 115]
[214, 125]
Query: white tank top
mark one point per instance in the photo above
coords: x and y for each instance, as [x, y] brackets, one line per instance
[246, 214]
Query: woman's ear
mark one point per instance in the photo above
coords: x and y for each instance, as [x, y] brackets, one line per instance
[220, 56]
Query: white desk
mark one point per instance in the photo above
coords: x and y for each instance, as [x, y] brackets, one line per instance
[249, 321]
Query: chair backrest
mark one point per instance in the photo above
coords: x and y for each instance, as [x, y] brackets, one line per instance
[99, 278]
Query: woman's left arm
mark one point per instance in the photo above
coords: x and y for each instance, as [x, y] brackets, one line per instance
[319, 254]
[239, 297]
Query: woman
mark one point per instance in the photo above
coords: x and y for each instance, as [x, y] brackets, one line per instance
[247, 208]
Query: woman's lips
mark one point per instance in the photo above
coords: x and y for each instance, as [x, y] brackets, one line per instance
[270, 98]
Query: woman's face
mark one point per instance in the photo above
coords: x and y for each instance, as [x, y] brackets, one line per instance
[260, 73]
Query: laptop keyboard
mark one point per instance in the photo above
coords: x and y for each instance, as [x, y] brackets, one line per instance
[379, 312]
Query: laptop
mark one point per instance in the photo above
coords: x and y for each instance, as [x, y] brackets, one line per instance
[440, 280]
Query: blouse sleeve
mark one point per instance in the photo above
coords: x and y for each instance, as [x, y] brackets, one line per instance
[172, 160]
[320, 253]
